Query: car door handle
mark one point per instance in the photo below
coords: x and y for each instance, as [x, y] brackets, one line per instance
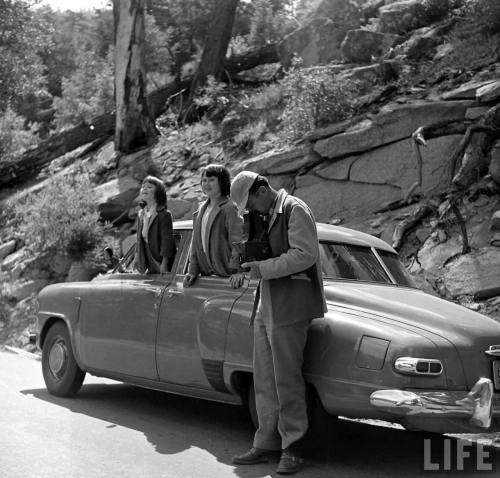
[172, 292]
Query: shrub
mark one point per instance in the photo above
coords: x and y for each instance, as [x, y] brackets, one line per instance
[314, 98]
[62, 218]
[248, 136]
[14, 138]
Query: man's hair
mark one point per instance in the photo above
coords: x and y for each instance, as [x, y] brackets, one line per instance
[259, 181]
[222, 174]
[160, 190]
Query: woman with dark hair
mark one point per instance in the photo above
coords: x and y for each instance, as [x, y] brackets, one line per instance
[155, 247]
[217, 230]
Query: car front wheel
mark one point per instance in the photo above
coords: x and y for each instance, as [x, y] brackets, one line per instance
[61, 373]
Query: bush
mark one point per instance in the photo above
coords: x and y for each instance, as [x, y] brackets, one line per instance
[248, 136]
[314, 98]
[14, 138]
[61, 219]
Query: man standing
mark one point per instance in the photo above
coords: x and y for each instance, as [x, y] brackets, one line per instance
[289, 296]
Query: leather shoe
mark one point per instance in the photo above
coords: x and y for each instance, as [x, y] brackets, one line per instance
[253, 456]
[289, 463]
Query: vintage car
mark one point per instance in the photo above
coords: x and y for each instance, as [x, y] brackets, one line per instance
[384, 350]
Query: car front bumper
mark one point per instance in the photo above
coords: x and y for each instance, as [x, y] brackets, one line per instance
[478, 406]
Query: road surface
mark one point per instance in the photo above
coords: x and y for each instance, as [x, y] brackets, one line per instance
[112, 430]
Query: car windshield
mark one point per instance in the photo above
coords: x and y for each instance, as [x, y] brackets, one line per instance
[396, 268]
[346, 261]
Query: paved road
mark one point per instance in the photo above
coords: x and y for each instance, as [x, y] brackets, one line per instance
[112, 430]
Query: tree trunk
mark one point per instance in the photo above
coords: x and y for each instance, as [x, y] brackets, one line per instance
[219, 35]
[134, 125]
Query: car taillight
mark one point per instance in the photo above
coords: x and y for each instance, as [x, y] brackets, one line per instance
[418, 366]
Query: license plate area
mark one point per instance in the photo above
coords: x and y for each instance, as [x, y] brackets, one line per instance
[496, 374]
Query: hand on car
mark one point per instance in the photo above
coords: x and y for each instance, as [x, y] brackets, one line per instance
[237, 280]
[189, 280]
[254, 269]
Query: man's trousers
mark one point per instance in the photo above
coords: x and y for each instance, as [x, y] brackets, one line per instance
[278, 381]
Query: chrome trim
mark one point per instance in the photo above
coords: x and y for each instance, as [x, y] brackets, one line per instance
[408, 365]
[382, 263]
[476, 405]
[493, 351]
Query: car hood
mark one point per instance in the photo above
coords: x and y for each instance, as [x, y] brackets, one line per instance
[406, 306]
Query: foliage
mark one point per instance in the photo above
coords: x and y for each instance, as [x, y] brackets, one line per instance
[88, 92]
[436, 9]
[21, 38]
[71, 33]
[269, 23]
[159, 57]
[62, 218]
[14, 137]
[314, 98]
[485, 14]
[247, 137]
[213, 96]
[471, 45]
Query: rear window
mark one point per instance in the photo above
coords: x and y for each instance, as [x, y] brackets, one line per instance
[345, 261]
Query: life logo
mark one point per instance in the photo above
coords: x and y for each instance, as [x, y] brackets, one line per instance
[447, 454]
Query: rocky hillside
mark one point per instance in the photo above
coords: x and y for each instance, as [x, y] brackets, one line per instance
[389, 170]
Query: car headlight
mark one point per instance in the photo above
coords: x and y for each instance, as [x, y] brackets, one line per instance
[418, 366]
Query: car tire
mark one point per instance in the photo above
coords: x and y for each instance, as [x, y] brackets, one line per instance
[63, 377]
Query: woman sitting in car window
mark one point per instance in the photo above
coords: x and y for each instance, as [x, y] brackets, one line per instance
[217, 230]
[155, 249]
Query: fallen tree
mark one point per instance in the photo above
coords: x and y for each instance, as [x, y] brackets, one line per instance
[102, 127]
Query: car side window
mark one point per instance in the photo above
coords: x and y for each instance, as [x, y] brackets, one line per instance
[347, 261]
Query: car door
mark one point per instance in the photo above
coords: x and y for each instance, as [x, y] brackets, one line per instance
[192, 328]
[119, 321]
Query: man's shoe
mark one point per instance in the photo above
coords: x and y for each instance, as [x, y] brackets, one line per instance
[289, 463]
[252, 457]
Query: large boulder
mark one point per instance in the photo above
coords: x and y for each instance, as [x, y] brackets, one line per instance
[407, 15]
[115, 197]
[474, 274]
[318, 40]
[489, 93]
[361, 46]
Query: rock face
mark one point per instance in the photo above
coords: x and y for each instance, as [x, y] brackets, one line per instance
[116, 196]
[402, 17]
[474, 274]
[318, 40]
[360, 46]
[360, 168]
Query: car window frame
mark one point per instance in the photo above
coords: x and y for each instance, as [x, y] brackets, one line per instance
[390, 278]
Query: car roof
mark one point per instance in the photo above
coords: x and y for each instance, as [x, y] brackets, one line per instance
[327, 232]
